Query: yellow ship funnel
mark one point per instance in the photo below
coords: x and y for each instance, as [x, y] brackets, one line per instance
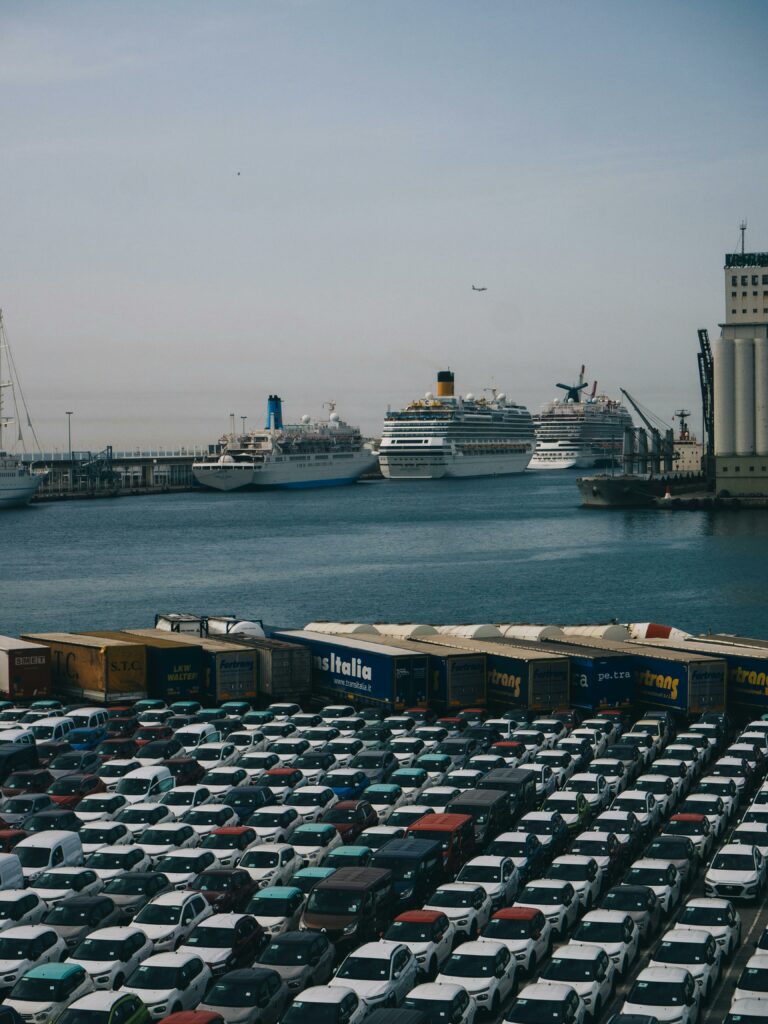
[445, 384]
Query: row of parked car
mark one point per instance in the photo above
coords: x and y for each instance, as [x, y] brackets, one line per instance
[276, 865]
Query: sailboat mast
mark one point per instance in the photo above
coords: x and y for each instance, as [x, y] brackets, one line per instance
[2, 344]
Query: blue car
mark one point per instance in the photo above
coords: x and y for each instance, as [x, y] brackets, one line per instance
[86, 739]
[346, 783]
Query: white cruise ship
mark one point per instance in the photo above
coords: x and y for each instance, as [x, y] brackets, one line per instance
[301, 455]
[445, 435]
[574, 432]
[18, 484]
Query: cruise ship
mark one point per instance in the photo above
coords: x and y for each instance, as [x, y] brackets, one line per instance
[328, 454]
[445, 435]
[577, 432]
[18, 484]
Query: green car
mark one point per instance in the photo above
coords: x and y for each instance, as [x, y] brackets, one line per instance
[349, 857]
[106, 1007]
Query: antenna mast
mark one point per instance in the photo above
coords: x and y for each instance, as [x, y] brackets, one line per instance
[743, 230]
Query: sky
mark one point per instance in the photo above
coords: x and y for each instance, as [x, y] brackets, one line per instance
[205, 203]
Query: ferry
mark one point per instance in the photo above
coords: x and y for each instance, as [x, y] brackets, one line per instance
[327, 454]
[447, 435]
[574, 432]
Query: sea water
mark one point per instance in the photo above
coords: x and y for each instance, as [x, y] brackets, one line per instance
[505, 549]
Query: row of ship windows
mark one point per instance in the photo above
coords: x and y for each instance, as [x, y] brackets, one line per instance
[734, 311]
[15, 472]
[737, 469]
[745, 279]
[754, 294]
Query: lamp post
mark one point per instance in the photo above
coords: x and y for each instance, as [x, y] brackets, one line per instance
[243, 418]
[69, 439]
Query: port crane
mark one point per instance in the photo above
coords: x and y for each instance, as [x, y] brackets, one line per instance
[662, 435]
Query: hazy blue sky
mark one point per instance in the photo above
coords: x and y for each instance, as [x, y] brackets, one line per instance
[207, 202]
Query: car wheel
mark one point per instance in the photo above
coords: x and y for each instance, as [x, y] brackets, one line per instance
[597, 1009]
[624, 965]
[391, 1001]
[432, 969]
[176, 1008]
[473, 932]
[531, 966]
[118, 982]
[495, 1005]
[588, 904]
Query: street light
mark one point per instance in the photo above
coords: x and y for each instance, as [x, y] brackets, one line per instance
[69, 438]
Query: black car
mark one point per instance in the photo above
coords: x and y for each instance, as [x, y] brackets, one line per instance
[131, 890]
[56, 818]
[74, 919]
[244, 800]
[81, 762]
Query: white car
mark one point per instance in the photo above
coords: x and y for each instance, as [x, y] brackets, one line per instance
[311, 802]
[169, 982]
[746, 1010]
[675, 769]
[170, 918]
[406, 749]
[696, 951]
[381, 973]
[542, 1001]
[736, 872]
[750, 833]
[725, 788]
[289, 750]
[216, 755]
[24, 946]
[19, 907]
[377, 835]
[430, 735]
[248, 741]
[104, 833]
[185, 798]
[486, 969]
[588, 969]
[166, 837]
[497, 875]
[400, 725]
[753, 981]
[443, 1002]
[659, 875]
[556, 900]
[100, 807]
[274, 823]
[271, 863]
[597, 739]
[229, 844]
[614, 773]
[463, 778]
[467, 905]
[259, 763]
[205, 819]
[595, 788]
[277, 909]
[526, 933]
[313, 843]
[181, 866]
[560, 761]
[58, 884]
[112, 771]
[642, 804]
[663, 790]
[429, 934]
[583, 873]
[667, 993]
[45, 991]
[716, 916]
[711, 806]
[440, 796]
[109, 861]
[612, 930]
[139, 817]
[322, 1002]
[111, 955]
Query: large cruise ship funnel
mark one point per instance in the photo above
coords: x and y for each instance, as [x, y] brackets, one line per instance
[445, 384]
[274, 412]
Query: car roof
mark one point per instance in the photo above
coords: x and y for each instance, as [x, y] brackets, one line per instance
[283, 892]
[516, 914]
[437, 993]
[588, 951]
[103, 999]
[175, 898]
[53, 972]
[606, 916]
[324, 994]
[420, 916]
[121, 932]
[669, 973]
[383, 949]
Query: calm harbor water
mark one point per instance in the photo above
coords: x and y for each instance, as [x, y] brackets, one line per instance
[504, 549]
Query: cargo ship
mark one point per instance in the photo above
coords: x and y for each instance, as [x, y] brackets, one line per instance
[18, 484]
[328, 454]
[447, 435]
[574, 432]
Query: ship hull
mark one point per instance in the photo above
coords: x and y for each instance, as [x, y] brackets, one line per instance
[436, 466]
[15, 492]
[633, 491]
[299, 474]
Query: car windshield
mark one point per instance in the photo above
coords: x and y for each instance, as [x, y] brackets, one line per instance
[270, 906]
[66, 762]
[97, 834]
[160, 837]
[512, 928]
[285, 954]
[657, 993]
[302, 799]
[221, 842]
[720, 788]
[451, 898]
[154, 976]
[648, 876]
[600, 931]
[50, 881]
[14, 949]
[128, 885]
[410, 931]
[704, 915]
[733, 862]
[465, 965]
[535, 894]
[17, 805]
[133, 787]
[112, 771]
[10, 910]
[569, 872]
[39, 990]
[229, 992]
[81, 1016]
[99, 949]
[562, 969]
[540, 826]
[107, 860]
[372, 760]
[260, 859]
[157, 913]
[508, 848]
[479, 873]
[96, 803]
[676, 952]
[383, 796]
[361, 968]
[180, 797]
[583, 786]
[203, 816]
[340, 815]
[313, 837]
[313, 761]
[179, 865]
[334, 901]
[754, 979]
[214, 938]
[68, 786]
[68, 913]
[590, 848]
[538, 1011]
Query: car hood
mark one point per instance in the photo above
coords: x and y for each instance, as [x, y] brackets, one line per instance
[472, 985]
[731, 877]
[366, 990]
[94, 967]
[661, 1013]
[327, 922]
[7, 966]
[151, 995]
[289, 974]
[157, 932]
[209, 954]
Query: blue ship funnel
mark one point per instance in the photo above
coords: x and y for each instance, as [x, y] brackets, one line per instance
[274, 412]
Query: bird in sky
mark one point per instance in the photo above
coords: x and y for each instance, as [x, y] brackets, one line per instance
[476, 289]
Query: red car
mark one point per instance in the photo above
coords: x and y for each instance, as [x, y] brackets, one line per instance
[350, 818]
[185, 770]
[69, 790]
[452, 724]
[193, 1017]
[9, 837]
[147, 733]
[228, 890]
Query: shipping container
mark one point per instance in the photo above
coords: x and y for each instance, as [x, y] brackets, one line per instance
[230, 671]
[284, 670]
[371, 674]
[25, 670]
[517, 677]
[456, 676]
[180, 622]
[747, 692]
[175, 667]
[94, 669]
[687, 684]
